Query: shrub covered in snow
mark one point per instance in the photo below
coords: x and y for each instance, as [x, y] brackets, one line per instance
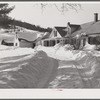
[68, 47]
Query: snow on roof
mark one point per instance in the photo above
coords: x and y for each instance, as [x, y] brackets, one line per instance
[89, 28]
[94, 28]
[29, 36]
[28, 30]
[8, 37]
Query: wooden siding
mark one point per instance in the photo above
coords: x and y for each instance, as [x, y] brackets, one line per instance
[77, 43]
[26, 44]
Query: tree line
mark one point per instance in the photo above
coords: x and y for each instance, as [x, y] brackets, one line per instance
[30, 26]
[6, 21]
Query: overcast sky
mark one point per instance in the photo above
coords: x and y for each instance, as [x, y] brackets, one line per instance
[50, 17]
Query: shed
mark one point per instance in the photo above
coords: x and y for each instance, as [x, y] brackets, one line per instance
[27, 39]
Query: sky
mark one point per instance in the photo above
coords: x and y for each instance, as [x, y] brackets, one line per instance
[31, 12]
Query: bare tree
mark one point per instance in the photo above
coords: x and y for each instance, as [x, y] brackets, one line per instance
[61, 7]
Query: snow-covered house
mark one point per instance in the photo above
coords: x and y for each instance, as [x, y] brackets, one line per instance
[80, 34]
[75, 34]
[23, 38]
[26, 39]
[60, 34]
[91, 31]
[20, 39]
[11, 41]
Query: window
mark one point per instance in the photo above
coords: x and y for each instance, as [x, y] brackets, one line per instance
[55, 33]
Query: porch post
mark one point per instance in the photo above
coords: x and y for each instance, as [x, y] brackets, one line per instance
[50, 43]
[63, 41]
[55, 41]
[42, 44]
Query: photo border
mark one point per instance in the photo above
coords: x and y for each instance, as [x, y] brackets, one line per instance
[39, 94]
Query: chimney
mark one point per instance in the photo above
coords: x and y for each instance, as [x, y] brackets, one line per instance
[95, 17]
[68, 23]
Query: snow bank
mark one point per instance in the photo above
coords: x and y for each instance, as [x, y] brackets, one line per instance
[61, 52]
[68, 47]
[67, 53]
[89, 47]
[32, 71]
[77, 68]
[83, 72]
[6, 51]
[49, 50]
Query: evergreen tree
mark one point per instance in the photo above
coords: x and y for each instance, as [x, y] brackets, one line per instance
[5, 20]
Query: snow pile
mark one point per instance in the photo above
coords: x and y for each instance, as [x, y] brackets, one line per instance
[89, 68]
[68, 47]
[89, 47]
[63, 54]
[57, 46]
[77, 68]
[67, 53]
[3, 47]
[83, 72]
[29, 71]
[60, 52]
[49, 50]
[6, 51]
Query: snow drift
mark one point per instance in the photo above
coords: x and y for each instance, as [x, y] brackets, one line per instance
[77, 68]
[83, 72]
[61, 52]
[27, 71]
[49, 67]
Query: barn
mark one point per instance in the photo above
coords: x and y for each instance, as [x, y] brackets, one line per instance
[26, 39]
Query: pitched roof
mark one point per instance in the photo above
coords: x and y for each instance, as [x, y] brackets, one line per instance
[63, 30]
[74, 27]
[89, 28]
[46, 35]
[94, 28]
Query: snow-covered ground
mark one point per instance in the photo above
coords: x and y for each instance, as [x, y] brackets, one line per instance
[62, 53]
[10, 51]
[25, 68]
[77, 68]
[54, 52]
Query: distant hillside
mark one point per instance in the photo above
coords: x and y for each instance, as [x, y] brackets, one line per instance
[30, 26]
